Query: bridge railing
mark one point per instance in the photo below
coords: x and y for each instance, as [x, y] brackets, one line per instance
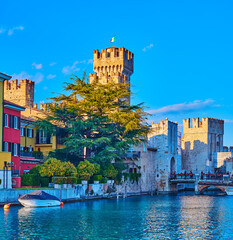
[182, 176]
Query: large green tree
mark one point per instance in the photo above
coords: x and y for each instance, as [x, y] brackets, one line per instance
[99, 123]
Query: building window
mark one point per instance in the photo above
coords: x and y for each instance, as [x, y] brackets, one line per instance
[15, 122]
[21, 148]
[30, 132]
[6, 124]
[43, 137]
[22, 131]
[15, 149]
[5, 147]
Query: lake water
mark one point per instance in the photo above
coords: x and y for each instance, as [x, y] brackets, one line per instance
[149, 217]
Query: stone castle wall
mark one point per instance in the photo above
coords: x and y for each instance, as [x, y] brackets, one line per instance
[20, 92]
[199, 143]
[112, 64]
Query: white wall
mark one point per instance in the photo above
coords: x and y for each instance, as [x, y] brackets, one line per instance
[7, 183]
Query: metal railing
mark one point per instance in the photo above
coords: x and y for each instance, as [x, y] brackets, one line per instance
[133, 154]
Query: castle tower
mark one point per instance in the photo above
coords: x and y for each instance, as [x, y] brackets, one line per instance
[201, 141]
[21, 93]
[112, 64]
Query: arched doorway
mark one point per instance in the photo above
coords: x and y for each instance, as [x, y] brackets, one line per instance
[172, 165]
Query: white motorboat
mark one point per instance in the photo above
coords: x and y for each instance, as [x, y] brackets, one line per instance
[229, 191]
[39, 199]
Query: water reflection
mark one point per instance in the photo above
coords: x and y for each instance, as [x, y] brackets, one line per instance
[158, 217]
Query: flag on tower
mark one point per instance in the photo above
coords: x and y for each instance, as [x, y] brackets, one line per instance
[113, 39]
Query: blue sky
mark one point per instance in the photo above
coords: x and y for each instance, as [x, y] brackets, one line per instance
[183, 50]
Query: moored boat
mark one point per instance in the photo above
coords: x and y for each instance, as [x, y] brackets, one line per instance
[38, 198]
[229, 191]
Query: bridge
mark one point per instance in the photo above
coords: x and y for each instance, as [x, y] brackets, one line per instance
[201, 185]
[220, 184]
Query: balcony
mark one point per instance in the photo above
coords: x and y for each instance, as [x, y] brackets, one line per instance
[132, 154]
[35, 154]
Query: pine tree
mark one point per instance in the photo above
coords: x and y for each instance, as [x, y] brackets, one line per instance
[97, 119]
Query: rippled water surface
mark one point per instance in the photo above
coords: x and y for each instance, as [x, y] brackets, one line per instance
[157, 217]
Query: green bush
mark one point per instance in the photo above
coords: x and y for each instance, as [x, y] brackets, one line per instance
[30, 180]
[71, 180]
[92, 192]
[60, 180]
[98, 178]
[104, 180]
[35, 170]
[44, 182]
[79, 181]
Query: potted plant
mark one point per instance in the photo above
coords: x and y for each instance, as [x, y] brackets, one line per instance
[86, 169]
[70, 181]
[97, 179]
[110, 173]
[64, 185]
[58, 182]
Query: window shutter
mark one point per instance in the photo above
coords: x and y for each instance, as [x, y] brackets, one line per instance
[37, 136]
[19, 119]
[3, 146]
[9, 117]
[32, 133]
[12, 121]
[9, 147]
[12, 149]
[24, 132]
[27, 132]
[18, 150]
[4, 115]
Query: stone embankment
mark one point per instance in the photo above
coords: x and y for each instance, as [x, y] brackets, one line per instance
[77, 193]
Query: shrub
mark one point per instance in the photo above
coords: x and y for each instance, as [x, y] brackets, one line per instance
[79, 181]
[110, 172]
[60, 180]
[53, 166]
[35, 170]
[92, 192]
[44, 182]
[86, 169]
[98, 178]
[71, 180]
[30, 180]
[104, 180]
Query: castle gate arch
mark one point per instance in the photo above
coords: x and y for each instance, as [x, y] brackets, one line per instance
[172, 165]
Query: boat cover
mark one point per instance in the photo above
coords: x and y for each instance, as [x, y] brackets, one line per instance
[39, 195]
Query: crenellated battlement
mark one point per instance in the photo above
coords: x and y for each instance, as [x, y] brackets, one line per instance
[18, 84]
[206, 124]
[113, 52]
[20, 92]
